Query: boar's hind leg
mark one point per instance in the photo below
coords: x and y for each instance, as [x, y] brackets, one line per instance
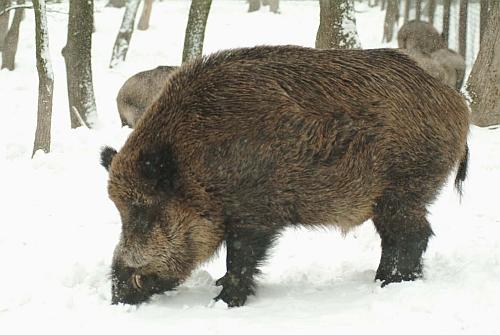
[246, 249]
[404, 231]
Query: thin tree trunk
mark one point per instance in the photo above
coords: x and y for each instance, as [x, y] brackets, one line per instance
[77, 56]
[382, 5]
[125, 33]
[337, 25]
[12, 40]
[274, 6]
[116, 3]
[418, 10]
[484, 81]
[431, 11]
[407, 10]
[195, 30]
[45, 79]
[462, 28]
[485, 4]
[446, 20]
[253, 5]
[146, 15]
[391, 19]
[4, 22]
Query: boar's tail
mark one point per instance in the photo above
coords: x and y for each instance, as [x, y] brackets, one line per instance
[462, 171]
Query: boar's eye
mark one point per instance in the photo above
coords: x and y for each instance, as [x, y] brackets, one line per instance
[159, 168]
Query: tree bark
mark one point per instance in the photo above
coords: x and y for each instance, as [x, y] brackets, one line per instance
[337, 25]
[462, 28]
[45, 79]
[407, 11]
[77, 56]
[253, 5]
[125, 33]
[446, 20]
[382, 4]
[274, 6]
[12, 40]
[4, 22]
[146, 15]
[485, 4]
[418, 10]
[195, 30]
[431, 11]
[116, 3]
[391, 19]
[484, 81]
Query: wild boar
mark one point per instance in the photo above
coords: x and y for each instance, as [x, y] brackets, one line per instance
[421, 36]
[138, 92]
[453, 65]
[245, 142]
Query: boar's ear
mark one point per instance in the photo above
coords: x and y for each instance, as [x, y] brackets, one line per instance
[107, 154]
[159, 168]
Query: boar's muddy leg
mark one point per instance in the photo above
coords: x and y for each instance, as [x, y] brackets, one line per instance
[246, 250]
[404, 231]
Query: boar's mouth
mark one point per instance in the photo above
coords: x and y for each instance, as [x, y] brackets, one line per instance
[130, 287]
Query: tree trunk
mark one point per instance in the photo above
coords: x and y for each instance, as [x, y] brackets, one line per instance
[337, 25]
[195, 30]
[431, 11]
[484, 81]
[4, 22]
[77, 56]
[407, 10]
[45, 79]
[146, 15]
[382, 5]
[253, 5]
[485, 4]
[418, 10]
[125, 33]
[462, 28]
[116, 3]
[391, 19]
[12, 40]
[446, 20]
[274, 6]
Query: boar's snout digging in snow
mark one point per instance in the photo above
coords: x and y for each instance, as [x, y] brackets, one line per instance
[245, 142]
[139, 91]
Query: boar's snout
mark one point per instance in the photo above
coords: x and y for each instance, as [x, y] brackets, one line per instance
[130, 286]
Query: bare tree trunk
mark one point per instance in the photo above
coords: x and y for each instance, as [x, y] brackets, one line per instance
[116, 3]
[12, 40]
[77, 56]
[462, 28]
[431, 11]
[253, 5]
[484, 81]
[45, 79]
[418, 10]
[485, 4]
[407, 10]
[446, 20]
[146, 15]
[195, 30]
[122, 41]
[274, 6]
[4, 22]
[382, 5]
[391, 19]
[337, 25]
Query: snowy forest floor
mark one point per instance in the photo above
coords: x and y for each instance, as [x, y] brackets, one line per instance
[59, 229]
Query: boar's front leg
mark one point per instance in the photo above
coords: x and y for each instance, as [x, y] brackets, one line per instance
[246, 249]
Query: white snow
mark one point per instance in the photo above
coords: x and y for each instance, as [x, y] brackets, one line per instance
[59, 229]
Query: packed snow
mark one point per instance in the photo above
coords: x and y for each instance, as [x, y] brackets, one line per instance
[59, 228]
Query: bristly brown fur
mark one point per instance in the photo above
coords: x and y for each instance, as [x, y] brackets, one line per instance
[247, 141]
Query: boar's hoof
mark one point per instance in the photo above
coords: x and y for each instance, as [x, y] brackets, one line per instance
[234, 292]
[396, 276]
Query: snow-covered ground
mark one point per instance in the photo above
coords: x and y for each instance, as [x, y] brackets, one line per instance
[59, 229]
